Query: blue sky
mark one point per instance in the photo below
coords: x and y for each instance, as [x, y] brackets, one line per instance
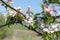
[24, 4]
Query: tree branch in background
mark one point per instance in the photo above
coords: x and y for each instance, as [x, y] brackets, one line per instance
[12, 8]
[1, 26]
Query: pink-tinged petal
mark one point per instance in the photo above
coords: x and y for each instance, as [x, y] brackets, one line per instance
[9, 0]
[51, 12]
[54, 10]
[46, 5]
[46, 9]
[29, 7]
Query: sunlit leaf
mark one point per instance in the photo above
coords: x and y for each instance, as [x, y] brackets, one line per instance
[41, 5]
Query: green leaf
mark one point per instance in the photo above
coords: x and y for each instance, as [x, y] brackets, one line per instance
[8, 19]
[17, 16]
[47, 19]
[35, 25]
[35, 16]
[53, 1]
[41, 5]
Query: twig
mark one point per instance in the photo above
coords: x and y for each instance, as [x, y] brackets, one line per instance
[12, 7]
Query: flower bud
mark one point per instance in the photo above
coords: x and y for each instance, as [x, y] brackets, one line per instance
[10, 1]
[29, 8]
[46, 5]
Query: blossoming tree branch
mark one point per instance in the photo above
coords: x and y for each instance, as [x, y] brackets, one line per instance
[17, 16]
[48, 25]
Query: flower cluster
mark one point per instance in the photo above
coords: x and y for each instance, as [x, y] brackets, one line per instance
[52, 28]
[49, 9]
[28, 21]
[11, 12]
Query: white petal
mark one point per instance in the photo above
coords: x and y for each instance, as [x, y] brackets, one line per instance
[45, 29]
[56, 29]
[54, 26]
[52, 31]
[46, 9]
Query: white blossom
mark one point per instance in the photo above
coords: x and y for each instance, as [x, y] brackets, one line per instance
[56, 29]
[52, 31]
[54, 26]
[48, 30]
[42, 25]
[52, 13]
[28, 22]
[45, 29]
[46, 9]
